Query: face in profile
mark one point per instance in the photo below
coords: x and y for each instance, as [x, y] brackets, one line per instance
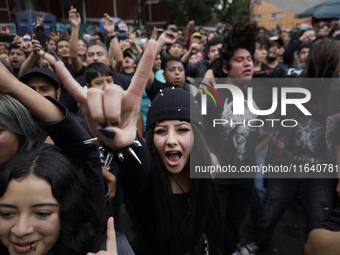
[173, 144]
[29, 217]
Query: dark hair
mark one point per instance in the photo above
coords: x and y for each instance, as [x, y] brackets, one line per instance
[323, 62]
[94, 68]
[305, 45]
[214, 41]
[263, 40]
[101, 36]
[62, 39]
[168, 59]
[80, 220]
[203, 197]
[240, 36]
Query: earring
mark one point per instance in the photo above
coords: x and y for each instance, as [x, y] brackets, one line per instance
[13, 228]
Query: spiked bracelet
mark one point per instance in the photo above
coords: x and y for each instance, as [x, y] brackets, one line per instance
[119, 154]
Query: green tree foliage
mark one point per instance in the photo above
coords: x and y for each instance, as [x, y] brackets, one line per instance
[182, 11]
[232, 11]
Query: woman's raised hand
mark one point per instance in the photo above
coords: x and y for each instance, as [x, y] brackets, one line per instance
[112, 114]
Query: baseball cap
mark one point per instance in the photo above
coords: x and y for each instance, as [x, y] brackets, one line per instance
[276, 39]
[128, 52]
[26, 38]
[196, 34]
[41, 72]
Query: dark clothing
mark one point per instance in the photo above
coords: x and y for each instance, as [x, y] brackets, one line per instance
[266, 72]
[332, 223]
[288, 55]
[130, 75]
[197, 70]
[123, 246]
[234, 201]
[157, 86]
[68, 136]
[139, 186]
[317, 197]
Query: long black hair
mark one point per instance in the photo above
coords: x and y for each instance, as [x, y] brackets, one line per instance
[323, 65]
[80, 220]
[205, 213]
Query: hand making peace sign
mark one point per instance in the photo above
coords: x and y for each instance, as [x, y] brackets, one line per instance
[112, 114]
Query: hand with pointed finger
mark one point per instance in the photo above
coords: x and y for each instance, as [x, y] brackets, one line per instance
[112, 114]
[111, 244]
[74, 17]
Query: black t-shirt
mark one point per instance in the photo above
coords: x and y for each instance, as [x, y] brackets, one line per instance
[267, 72]
[308, 138]
[128, 74]
[233, 144]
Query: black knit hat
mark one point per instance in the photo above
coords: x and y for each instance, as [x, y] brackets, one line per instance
[174, 104]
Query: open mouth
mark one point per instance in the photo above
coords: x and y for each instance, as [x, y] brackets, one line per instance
[247, 72]
[173, 157]
[15, 63]
[23, 248]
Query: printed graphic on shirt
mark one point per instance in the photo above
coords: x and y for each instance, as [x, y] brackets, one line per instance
[240, 132]
[307, 133]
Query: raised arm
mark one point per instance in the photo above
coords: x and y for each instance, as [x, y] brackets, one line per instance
[164, 39]
[112, 114]
[40, 107]
[29, 62]
[75, 20]
[115, 52]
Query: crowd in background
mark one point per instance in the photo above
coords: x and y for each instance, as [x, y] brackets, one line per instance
[170, 213]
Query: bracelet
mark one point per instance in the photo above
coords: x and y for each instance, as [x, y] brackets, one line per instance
[112, 36]
[110, 153]
[43, 55]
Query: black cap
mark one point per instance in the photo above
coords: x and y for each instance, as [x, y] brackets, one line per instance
[41, 72]
[174, 104]
[122, 36]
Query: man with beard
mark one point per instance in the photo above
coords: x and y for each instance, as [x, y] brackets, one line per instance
[273, 53]
[16, 57]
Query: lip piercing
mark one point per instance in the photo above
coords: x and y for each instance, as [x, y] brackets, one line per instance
[32, 247]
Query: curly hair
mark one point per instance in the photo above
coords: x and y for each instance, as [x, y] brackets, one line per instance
[81, 222]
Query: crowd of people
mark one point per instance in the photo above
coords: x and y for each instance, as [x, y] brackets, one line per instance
[88, 123]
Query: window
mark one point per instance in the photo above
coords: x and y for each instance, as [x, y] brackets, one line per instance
[279, 15]
[258, 17]
[258, 1]
[273, 16]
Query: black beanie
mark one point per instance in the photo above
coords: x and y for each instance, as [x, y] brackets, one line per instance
[174, 104]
